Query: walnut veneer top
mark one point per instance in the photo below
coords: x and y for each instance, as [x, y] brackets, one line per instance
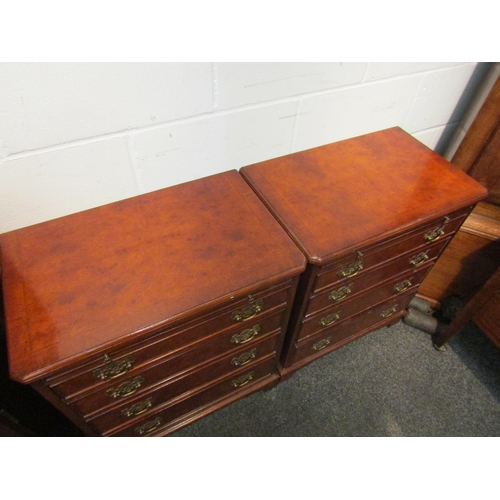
[355, 192]
[79, 283]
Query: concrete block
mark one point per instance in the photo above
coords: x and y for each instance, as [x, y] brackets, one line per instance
[196, 148]
[381, 70]
[46, 104]
[239, 84]
[354, 111]
[428, 137]
[36, 188]
[439, 98]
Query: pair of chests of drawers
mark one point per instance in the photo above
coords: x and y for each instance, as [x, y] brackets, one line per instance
[146, 388]
[365, 289]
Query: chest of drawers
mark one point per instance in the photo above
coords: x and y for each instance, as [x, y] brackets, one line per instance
[140, 316]
[372, 214]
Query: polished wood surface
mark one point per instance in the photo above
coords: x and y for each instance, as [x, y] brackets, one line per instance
[339, 334]
[139, 317]
[201, 402]
[372, 214]
[359, 191]
[484, 221]
[78, 284]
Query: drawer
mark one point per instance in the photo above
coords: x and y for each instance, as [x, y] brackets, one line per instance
[340, 333]
[128, 361]
[240, 361]
[359, 262]
[176, 365]
[391, 288]
[415, 257]
[208, 396]
[349, 289]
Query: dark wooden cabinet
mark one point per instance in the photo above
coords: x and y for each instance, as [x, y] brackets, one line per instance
[138, 317]
[372, 214]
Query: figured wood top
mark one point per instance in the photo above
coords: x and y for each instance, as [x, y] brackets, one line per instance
[355, 192]
[80, 283]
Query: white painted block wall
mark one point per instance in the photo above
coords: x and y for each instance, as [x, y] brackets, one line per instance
[78, 135]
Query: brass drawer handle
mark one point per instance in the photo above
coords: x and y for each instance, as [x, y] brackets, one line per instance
[244, 358]
[330, 319]
[404, 285]
[418, 260]
[244, 379]
[353, 268]
[126, 389]
[148, 426]
[245, 336]
[389, 312]
[435, 234]
[248, 311]
[321, 344]
[113, 369]
[341, 293]
[138, 408]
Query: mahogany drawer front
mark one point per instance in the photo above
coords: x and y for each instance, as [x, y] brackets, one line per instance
[358, 263]
[391, 288]
[153, 423]
[339, 332]
[370, 260]
[175, 365]
[349, 289]
[86, 378]
[238, 362]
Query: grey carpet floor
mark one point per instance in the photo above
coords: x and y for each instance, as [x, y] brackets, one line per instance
[391, 382]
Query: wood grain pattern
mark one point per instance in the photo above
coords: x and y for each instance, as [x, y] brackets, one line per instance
[378, 205]
[484, 221]
[78, 284]
[359, 191]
